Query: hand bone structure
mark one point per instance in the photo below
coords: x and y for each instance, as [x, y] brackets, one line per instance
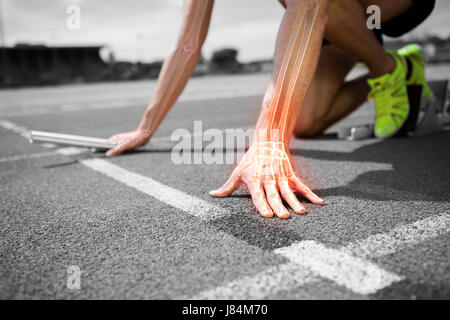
[267, 168]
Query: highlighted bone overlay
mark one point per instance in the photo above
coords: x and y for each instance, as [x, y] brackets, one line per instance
[277, 115]
[267, 168]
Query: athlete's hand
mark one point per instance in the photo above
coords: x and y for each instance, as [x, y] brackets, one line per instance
[267, 170]
[128, 141]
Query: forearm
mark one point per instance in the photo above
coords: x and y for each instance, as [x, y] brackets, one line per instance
[173, 77]
[297, 52]
[179, 66]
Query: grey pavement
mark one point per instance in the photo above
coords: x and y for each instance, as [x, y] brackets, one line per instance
[56, 213]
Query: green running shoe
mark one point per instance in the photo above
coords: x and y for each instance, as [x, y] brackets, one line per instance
[414, 54]
[390, 96]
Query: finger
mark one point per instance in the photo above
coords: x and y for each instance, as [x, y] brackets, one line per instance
[259, 199]
[114, 139]
[118, 149]
[304, 190]
[274, 199]
[290, 197]
[228, 188]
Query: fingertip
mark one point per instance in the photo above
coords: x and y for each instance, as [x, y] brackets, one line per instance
[300, 210]
[266, 214]
[214, 193]
[320, 202]
[284, 214]
[218, 193]
[315, 199]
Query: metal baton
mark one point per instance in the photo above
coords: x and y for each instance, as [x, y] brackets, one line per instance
[69, 139]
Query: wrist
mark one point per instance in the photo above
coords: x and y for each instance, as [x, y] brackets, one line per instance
[147, 121]
[264, 135]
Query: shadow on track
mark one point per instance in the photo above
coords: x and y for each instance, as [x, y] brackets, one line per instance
[421, 169]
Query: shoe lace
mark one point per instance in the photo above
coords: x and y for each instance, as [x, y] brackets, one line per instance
[382, 96]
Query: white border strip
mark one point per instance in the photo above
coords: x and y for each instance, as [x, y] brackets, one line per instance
[401, 237]
[264, 284]
[173, 197]
[356, 274]
[338, 265]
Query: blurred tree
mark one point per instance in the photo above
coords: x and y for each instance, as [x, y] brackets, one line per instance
[225, 60]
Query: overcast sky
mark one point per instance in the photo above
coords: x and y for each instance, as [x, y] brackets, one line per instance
[147, 29]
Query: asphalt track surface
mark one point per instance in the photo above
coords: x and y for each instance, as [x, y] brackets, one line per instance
[383, 234]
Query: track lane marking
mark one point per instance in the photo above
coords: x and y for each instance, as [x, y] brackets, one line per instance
[173, 197]
[357, 274]
[403, 236]
[14, 127]
[262, 285]
[28, 156]
[69, 151]
[374, 246]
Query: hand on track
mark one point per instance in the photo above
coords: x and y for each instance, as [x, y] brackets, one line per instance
[268, 172]
[128, 141]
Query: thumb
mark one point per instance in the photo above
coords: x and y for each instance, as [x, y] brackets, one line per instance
[118, 149]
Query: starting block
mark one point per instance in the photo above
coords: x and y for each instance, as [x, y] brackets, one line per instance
[431, 117]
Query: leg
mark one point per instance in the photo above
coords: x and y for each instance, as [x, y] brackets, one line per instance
[325, 88]
[351, 96]
[347, 29]
[329, 101]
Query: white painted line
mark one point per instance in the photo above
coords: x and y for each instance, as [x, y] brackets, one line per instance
[9, 125]
[28, 156]
[69, 151]
[374, 246]
[401, 237]
[173, 197]
[262, 285]
[356, 274]
[48, 145]
[21, 130]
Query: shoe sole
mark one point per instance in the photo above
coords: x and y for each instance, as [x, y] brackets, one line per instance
[415, 93]
[399, 129]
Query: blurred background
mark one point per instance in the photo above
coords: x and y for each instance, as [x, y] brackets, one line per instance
[128, 40]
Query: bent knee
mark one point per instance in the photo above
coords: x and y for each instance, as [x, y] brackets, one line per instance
[309, 129]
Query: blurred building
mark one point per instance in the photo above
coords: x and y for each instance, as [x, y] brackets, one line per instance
[24, 65]
[33, 65]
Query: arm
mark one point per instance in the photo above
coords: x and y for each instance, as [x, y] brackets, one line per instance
[267, 168]
[173, 77]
